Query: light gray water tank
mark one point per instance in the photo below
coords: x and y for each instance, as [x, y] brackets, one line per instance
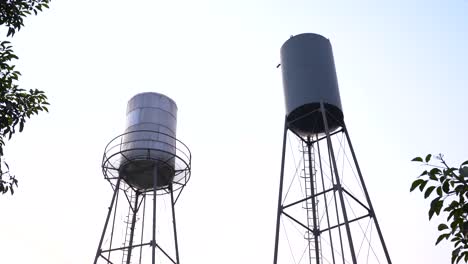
[309, 77]
[150, 143]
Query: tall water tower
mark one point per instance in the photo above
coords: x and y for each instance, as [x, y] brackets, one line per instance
[325, 214]
[146, 161]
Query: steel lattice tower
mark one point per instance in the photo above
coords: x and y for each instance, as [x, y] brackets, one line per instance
[337, 221]
[147, 161]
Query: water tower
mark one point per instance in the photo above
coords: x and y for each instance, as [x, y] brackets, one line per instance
[146, 161]
[325, 214]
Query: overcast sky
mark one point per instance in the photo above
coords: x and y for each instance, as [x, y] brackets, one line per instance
[402, 72]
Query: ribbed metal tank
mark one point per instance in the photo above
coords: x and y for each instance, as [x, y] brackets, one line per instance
[150, 141]
[309, 77]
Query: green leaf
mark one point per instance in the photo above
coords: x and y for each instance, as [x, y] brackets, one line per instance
[439, 191]
[428, 157]
[452, 205]
[416, 183]
[438, 207]
[428, 191]
[449, 172]
[435, 171]
[421, 187]
[442, 227]
[419, 159]
[450, 215]
[442, 237]
[459, 189]
[464, 163]
[454, 225]
[431, 213]
[446, 186]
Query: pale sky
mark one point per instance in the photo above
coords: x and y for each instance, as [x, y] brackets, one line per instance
[401, 69]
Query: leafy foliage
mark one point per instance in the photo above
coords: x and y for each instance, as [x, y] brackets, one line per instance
[16, 104]
[7, 181]
[12, 12]
[451, 197]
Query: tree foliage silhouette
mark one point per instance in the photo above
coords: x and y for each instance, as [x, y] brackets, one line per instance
[448, 188]
[16, 104]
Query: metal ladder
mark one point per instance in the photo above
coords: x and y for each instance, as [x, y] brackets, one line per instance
[128, 222]
[309, 236]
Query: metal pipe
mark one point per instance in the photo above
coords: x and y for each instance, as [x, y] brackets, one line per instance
[98, 253]
[132, 228]
[153, 249]
[122, 248]
[107, 259]
[280, 194]
[338, 184]
[325, 137]
[142, 225]
[357, 201]
[298, 222]
[165, 254]
[305, 199]
[354, 220]
[174, 223]
[113, 224]
[336, 207]
[387, 255]
[311, 197]
[325, 199]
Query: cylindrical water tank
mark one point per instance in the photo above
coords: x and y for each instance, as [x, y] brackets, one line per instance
[309, 77]
[149, 144]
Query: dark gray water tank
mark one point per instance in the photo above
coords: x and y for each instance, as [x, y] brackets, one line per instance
[309, 77]
[150, 142]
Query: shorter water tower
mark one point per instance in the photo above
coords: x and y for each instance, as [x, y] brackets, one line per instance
[323, 200]
[147, 160]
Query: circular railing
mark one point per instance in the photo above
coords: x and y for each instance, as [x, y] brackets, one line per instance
[133, 156]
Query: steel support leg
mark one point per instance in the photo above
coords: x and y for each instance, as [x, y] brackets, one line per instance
[338, 184]
[387, 255]
[113, 224]
[153, 242]
[98, 253]
[142, 225]
[325, 199]
[280, 193]
[171, 189]
[336, 207]
[132, 228]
